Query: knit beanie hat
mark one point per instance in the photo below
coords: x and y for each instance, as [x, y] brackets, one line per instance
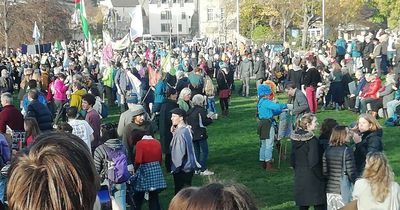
[138, 110]
[264, 90]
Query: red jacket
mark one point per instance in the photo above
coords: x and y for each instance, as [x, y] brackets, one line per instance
[12, 117]
[372, 90]
[147, 150]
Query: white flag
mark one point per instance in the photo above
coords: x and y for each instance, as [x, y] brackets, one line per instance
[36, 33]
[136, 29]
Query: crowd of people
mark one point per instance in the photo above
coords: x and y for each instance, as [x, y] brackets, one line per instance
[173, 92]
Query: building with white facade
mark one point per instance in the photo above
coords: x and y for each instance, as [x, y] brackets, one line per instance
[215, 22]
[118, 19]
[172, 19]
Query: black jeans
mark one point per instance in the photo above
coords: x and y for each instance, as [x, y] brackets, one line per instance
[109, 96]
[224, 102]
[182, 179]
[318, 207]
[154, 203]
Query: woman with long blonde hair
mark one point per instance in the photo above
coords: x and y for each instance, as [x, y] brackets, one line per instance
[377, 188]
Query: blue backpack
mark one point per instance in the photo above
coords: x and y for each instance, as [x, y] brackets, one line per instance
[117, 165]
[104, 110]
[5, 151]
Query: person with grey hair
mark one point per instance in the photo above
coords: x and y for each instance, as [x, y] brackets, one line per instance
[10, 116]
[184, 99]
[6, 84]
[198, 119]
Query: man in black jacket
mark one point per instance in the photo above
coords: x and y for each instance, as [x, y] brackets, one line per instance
[165, 124]
[198, 119]
[39, 111]
[259, 69]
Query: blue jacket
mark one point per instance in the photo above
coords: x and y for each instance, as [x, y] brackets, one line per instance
[341, 46]
[42, 115]
[361, 85]
[182, 152]
[267, 108]
[159, 92]
[41, 99]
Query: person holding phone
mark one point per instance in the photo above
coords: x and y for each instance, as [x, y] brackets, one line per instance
[367, 137]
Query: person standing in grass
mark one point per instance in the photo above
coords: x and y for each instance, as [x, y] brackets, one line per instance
[337, 160]
[306, 160]
[367, 138]
[198, 120]
[182, 151]
[267, 109]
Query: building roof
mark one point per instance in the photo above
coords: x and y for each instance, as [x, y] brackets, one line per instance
[124, 3]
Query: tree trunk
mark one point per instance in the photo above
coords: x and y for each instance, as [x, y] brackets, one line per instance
[305, 29]
[5, 16]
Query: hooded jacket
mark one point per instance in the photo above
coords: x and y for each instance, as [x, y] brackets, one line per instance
[197, 118]
[76, 98]
[306, 159]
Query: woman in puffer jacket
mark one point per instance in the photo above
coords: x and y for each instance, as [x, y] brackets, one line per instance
[335, 155]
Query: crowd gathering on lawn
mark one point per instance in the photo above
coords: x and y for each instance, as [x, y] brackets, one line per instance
[57, 152]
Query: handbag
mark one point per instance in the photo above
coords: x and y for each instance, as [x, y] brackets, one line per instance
[224, 93]
[346, 187]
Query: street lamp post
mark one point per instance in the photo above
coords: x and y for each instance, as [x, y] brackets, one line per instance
[237, 23]
[323, 20]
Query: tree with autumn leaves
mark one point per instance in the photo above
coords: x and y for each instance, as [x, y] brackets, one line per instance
[52, 16]
[277, 17]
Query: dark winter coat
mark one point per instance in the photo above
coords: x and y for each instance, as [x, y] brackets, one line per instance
[296, 76]
[165, 124]
[42, 115]
[371, 141]
[259, 69]
[193, 119]
[332, 167]
[306, 159]
[311, 77]
[223, 81]
[368, 49]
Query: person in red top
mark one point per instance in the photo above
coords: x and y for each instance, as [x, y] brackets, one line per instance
[150, 179]
[10, 116]
[370, 93]
[32, 130]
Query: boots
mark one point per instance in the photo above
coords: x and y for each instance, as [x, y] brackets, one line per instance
[263, 164]
[269, 166]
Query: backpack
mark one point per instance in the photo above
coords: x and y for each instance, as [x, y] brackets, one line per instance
[5, 152]
[104, 110]
[117, 165]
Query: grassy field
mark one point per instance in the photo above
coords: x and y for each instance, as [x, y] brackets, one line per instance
[233, 155]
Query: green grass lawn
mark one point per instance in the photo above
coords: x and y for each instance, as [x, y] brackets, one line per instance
[233, 154]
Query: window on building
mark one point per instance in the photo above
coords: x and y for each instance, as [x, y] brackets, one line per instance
[166, 15]
[222, 13]
[210, 14]
[165, 27]
[183, 15]
[180, 27]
